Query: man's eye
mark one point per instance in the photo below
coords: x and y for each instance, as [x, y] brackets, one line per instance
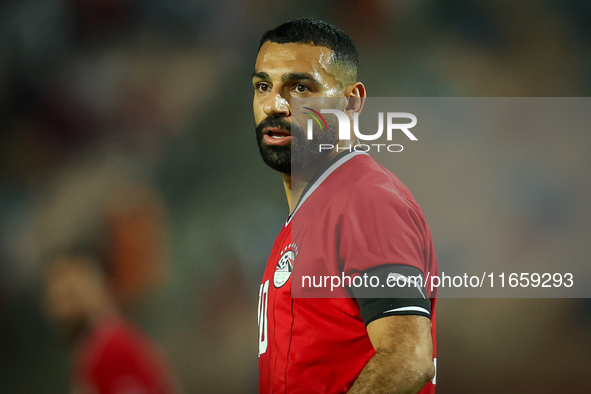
[300, 88]
[262, 87]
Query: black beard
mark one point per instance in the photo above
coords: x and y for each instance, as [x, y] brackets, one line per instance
[276, 157]
[287, 160]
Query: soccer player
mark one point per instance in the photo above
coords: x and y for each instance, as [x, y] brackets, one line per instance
[111, 356]
[348, 215]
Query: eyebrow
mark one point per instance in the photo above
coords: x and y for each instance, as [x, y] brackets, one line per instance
[260, 75]
[290, 77]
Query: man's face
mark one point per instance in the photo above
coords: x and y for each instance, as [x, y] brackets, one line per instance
[282, 72]
[71, 290]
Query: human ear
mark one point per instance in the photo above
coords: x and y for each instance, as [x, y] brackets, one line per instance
[355, 94]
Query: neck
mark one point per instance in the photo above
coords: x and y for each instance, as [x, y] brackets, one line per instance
[77, 333]
[287, 187]
[295, 185]
[104, 309]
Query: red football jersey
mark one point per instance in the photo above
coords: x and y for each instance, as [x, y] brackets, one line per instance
[115, 358]
[353, 217]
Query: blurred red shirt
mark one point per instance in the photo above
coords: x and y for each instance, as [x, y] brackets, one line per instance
[116, 358]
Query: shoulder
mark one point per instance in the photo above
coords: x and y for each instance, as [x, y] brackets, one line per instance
[363, 182]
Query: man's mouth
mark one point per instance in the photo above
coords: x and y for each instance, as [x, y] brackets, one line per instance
[275, 132]
[276, 136]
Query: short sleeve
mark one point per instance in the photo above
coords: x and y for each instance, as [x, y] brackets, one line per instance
[380, 226]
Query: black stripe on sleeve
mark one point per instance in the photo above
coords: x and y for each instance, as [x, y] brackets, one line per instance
[401, 291]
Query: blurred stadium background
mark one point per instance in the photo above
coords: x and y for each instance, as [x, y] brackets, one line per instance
[133, 118]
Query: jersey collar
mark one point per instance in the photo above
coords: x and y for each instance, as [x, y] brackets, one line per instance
[321, 175]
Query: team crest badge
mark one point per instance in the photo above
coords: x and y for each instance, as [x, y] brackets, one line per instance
[283, 268]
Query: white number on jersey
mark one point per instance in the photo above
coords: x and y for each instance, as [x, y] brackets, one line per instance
[263, 302]
[434, 380]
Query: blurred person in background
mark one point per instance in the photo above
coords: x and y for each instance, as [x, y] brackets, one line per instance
[111, 355]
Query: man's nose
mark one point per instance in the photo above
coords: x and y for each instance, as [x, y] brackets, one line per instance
[277, 105]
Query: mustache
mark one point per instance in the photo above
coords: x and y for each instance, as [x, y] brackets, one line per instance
[270, 121]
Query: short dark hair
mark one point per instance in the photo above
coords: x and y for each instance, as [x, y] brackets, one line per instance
[320, 33]
[94, 253]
